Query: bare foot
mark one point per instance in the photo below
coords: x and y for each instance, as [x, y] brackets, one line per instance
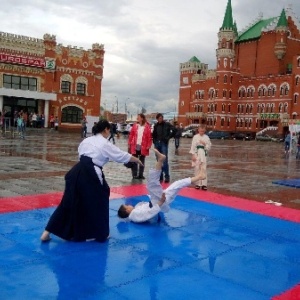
[160, 156]
[45, 237]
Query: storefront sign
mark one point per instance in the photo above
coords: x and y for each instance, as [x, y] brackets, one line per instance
[22, 60]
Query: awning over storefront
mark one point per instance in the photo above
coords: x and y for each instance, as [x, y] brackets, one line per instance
[27, 94]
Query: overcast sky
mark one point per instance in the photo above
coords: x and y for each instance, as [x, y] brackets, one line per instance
[144, 40]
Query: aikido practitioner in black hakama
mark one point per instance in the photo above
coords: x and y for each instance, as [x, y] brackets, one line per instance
[83, 213]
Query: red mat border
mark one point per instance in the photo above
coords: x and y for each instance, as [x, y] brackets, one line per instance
[29, 202]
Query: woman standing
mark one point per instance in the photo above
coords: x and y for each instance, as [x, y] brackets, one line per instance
[139, 143]
[83, 213]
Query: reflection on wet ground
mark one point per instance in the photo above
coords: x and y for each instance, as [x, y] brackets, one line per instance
[240, 168]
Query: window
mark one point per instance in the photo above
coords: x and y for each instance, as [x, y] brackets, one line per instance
[296, 98]
[229, 107]
[230, 93]
[66, 87]
[81, 88]
[225, 78]
[224, 94]
[222, 122]
[19, 83]
[297, 80]
[71, 114]
[231, 79]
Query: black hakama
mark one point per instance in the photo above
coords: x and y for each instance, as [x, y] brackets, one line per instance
[83, 212]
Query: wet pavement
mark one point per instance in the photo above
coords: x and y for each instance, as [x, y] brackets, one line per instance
[37, 165]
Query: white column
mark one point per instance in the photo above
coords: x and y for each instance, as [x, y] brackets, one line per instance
[1, 103]
[46, 113]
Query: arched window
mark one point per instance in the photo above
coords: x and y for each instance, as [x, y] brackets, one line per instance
[251, 109]
[225, 78]
[258, 108]
[224, 93]
[247, 108]
[250, 123]
[222, 122]
[280, 106]
[285, 107]
[229, 107]
[223, 107]
[225, 62]
[66, 84]
[297, 80]
[231, 79]
[228, 121]
[71, 114]
[272, 107]
[284, 89]
[296, 98]
[298, 62]
[230, 93]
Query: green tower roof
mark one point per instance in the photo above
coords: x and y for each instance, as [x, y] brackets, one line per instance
[282, 20]
[194, 59]
[228, 20]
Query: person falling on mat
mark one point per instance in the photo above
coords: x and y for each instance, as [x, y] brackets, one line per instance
[159, 199]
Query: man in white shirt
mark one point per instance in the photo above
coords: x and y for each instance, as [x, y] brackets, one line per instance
[159, 198]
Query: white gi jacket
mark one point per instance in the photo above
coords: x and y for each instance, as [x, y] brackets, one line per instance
[102, 151]
[200, 150]
[142, 211]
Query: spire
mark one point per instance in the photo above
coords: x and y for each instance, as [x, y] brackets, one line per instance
[282, 22]
[235, 28]
[228, 20]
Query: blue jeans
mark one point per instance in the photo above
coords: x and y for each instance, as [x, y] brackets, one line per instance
[163, 148]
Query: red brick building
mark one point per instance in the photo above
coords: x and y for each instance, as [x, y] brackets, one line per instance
[256, 82]
[41, 76]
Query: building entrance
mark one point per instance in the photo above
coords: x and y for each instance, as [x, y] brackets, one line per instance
[13, 105]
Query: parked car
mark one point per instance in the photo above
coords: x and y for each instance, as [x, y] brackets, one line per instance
[188, 133]
[277, 138]
[263, 137]
[242, 136]
[222, 135]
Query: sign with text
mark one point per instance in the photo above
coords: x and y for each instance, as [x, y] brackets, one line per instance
[22, 60]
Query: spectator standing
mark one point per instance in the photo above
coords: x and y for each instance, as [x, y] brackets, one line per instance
[56, 123]
[177, 135]
[34, 120]
[287, 142]
[298, 147]
[161, 136]
[20, 126]
[52, 121]
[139, 143]
[83, 127]
[113, 130]
[201, 144]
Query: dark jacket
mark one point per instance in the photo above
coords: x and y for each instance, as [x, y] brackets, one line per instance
[162, 132]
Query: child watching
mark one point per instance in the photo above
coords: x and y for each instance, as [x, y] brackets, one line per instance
[200, 146]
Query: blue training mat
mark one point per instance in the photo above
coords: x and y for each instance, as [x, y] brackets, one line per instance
[288, 182]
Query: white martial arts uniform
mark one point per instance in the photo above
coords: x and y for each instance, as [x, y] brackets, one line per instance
[201, 153]
[142, 211]
[101, 151]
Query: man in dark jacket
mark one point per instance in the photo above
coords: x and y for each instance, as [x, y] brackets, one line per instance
[162, 132]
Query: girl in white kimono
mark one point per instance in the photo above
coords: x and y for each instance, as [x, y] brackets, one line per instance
[200, 146]
[159, 199]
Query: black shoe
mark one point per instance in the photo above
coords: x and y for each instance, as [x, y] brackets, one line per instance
[135, 177]
[141, 177]
[197, 187]
[167, 179]
[204, 188]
